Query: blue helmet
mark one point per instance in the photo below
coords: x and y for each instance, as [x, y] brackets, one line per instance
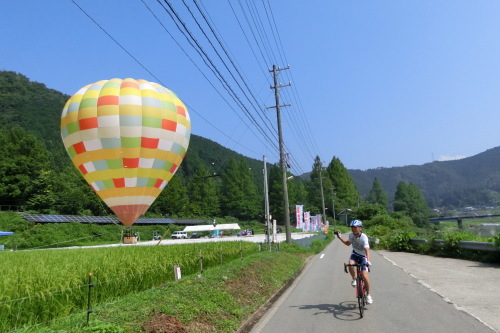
[356, 223]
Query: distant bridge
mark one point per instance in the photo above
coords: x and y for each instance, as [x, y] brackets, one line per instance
[455, 218]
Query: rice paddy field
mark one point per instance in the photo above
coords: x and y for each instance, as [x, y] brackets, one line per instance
[40, 286]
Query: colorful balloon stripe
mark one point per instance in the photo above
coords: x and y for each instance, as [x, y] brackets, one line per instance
[127, 138]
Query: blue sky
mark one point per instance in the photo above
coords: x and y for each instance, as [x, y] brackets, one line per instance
[375, 83]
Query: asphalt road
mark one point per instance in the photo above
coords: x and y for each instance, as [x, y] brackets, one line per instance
[322, 300]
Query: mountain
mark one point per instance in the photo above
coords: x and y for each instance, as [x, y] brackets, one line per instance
[34, 107]
[470, 181]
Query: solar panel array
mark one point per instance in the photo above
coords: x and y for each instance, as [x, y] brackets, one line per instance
[42, 218]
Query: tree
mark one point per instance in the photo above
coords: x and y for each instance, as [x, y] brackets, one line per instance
[173, 200]
[410, 201]
[401, 198]
[24, 163]
[239, 194]
[276, 193]
[74, 196]
[204, 199]
[319, 181]
[377, 196]
[297, 193]
[43, 198]
[347, 194]
[367, 212]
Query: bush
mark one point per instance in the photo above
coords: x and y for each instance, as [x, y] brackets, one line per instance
[10, 221]
[382, 233]
[389, 221]
[451, 242]
[401, 241]
[367, 212]
[496, 240]
[383, 227]
[453, 238]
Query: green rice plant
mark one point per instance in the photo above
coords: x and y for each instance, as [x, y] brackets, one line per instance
[39, 286]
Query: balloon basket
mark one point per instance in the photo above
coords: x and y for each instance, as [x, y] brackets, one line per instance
[129, 237]
[129, 240]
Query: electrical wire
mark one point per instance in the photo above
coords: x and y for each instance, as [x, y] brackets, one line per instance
[262, 36]
[196, 45]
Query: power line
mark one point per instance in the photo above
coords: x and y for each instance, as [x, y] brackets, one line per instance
[160, 81]
[208, 62]
[251, 108]
[308, 136]
[230, 60]
[117, 43]
[195, 44]
[303, 131]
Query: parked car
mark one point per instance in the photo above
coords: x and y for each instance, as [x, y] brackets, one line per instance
[179, 235]
[246, 232]
[195, 235]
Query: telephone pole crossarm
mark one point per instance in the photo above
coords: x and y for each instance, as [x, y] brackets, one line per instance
[274, 69]
[281, 106]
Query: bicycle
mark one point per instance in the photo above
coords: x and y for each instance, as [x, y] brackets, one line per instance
[360, 287]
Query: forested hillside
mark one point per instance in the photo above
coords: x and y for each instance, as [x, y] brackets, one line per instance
[470, 181]
[33, 106]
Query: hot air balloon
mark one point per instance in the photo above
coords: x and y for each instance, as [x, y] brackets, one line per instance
[127, 137]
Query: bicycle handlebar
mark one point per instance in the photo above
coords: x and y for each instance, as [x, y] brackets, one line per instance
[359, 266]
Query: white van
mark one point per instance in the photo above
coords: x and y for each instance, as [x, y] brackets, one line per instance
[179, 235]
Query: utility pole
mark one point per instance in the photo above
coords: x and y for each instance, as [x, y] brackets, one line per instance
[322, 194]
[282, 150]
[266, 196]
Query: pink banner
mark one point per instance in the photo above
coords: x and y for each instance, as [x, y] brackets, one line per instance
[299, 215]
[319, 222]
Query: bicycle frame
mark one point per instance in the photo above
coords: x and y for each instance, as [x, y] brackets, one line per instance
[360, 287]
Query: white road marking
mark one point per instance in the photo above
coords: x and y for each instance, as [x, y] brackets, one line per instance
[322, 255]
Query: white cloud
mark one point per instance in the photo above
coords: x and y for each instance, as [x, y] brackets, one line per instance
[450, 158]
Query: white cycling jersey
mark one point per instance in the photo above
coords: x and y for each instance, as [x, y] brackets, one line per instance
[359, 243]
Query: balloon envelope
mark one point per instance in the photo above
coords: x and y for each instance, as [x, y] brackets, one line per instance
[128, 138]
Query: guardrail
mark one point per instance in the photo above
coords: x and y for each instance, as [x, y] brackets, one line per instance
[9, 208]
[479, 246]
[465, 217]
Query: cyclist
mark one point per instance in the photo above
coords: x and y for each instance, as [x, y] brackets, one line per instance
[360, 254]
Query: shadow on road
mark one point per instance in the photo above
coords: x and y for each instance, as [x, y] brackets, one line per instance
[484, 265]
[347, 310]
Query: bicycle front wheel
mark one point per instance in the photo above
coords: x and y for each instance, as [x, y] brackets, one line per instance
[361, 297]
